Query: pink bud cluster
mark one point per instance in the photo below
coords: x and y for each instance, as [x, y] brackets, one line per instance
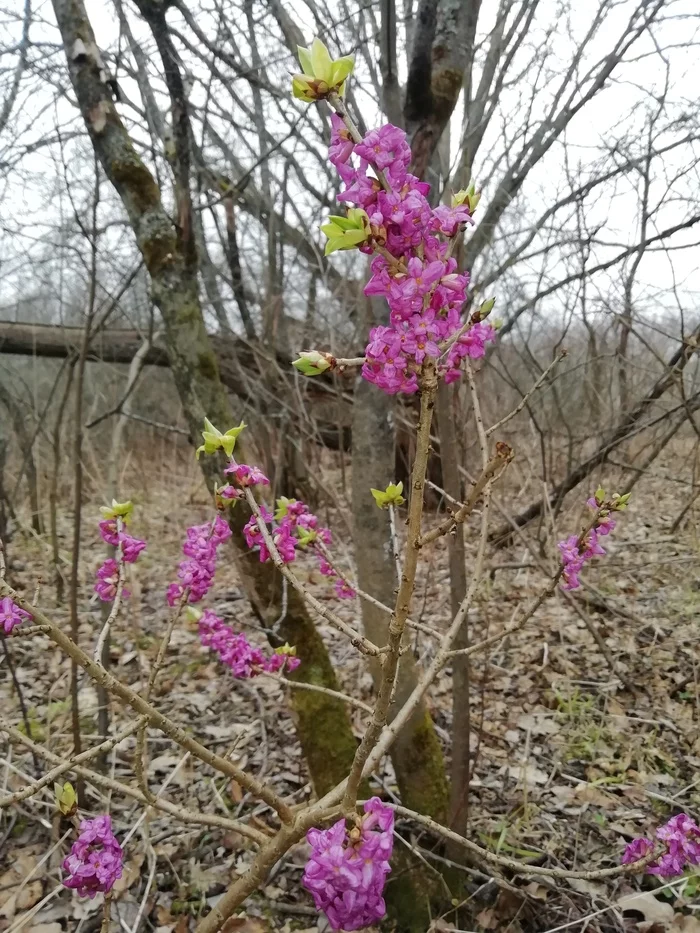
[95, 860]
[112, 531]
[244, 476]
[293, 527]
[680, 836]
[343, 590]
[236, 652]
[575, 554]
[414, 270]
[347, 870]
[196, 573]
[11, 615]
[291, 523]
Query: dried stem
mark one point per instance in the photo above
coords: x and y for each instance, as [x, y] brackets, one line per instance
[419, 626]
[521, 868]
[68, 765]
[155, 717]
[523, 402]
[493, 468]
[101, 780]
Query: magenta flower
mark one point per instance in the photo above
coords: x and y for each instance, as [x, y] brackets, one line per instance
[247, 475]
[681, 837]
[11, 615]
[386, 148]
[341, 146]
[197, 572]
[343, 590]
[236, 652]
[108, 580]
[131, 547]
[285, 542]
[574, 556]
[636, 850]
[108, 530]
[346, 871]
[448, 220]
[95, 860]
[112, 531]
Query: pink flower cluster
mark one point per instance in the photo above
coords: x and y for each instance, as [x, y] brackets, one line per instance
[414, 270]
[347, 870]
[196, 573]
[292, 527]
[244, 476]
[574, 555]
[343, 590]
[95, 859]
[11, 615]
[112, 531]
[681, 836]
[236, 652]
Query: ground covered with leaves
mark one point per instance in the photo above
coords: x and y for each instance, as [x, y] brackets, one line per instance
[575, 753]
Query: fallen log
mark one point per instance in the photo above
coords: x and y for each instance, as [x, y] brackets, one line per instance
[242, 366]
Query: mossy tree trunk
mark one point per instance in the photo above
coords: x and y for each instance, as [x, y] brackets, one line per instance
[170, 256]
[416, 753]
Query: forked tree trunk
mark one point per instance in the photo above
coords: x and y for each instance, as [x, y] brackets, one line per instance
[173, 273]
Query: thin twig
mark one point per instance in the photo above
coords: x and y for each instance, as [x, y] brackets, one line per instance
[101, 780]
[523, 402]
[356, 639]
[158, 719]
[69, 765]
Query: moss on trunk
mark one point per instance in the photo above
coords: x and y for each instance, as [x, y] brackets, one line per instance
[323, 724]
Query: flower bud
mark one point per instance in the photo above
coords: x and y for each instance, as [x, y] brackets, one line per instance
[214, 440]
[346, 232]
[313, 363]
[66, 798]
[485, 308]
[389, 496]
[469, 196]
[321, 74]
[120, 510]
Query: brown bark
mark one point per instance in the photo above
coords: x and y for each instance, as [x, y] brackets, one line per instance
[170, 258]
[416, 754]
[436, 72]
[461, 713]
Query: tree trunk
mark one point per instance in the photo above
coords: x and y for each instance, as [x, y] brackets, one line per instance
[174, 290]
[461, 718]
[416, 754]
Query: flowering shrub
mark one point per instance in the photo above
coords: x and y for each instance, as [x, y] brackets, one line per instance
[413, 267]
[236, 652]
[681, 839]
[577, 549]
[196, 573]
[115, 518]
[428, 337]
